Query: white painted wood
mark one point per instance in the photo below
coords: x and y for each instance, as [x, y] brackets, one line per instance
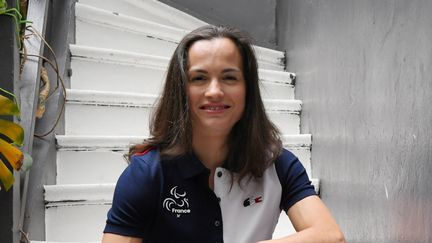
[94, 97]
[149, 10]
[103, 157]
[112, 70]
[118, 56]
[94, 143]
[128, 114]
[89, 166]
[78, 194]
[270, 59]
[92, 34]
[87, 13]
[76, 222]
[90, 194]
[104, 29]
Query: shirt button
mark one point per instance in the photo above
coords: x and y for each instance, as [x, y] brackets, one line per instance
[219, 174]
[217, 223]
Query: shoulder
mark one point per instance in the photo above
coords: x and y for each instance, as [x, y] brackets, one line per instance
[147, 162]
[287, 162]
[144, 170]
[293, 178]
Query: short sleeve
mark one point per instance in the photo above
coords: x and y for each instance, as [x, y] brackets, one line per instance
[135, 200]
[294, 180]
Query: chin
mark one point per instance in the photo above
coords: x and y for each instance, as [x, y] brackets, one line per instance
[217, 127]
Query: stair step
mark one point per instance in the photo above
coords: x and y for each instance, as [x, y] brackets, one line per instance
[149, 10]
[103, 156]
[104, 29]
[121, 143]
[90, 194]
[118, 113]
[101, 69]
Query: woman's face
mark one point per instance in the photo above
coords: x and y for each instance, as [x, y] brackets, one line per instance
[216, 86]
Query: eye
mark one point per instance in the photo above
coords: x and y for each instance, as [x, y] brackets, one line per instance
[197, 78]
[230, 78]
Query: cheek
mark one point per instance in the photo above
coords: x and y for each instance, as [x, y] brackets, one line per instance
[193, 98]
[241, 100]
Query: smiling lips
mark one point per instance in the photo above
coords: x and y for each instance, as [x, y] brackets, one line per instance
[215, 108]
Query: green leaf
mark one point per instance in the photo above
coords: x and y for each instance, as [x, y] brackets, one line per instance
[8, 107]
[12, 154]
[13, 131]
[6, 176]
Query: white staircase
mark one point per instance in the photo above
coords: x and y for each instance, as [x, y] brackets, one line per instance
[118, 66]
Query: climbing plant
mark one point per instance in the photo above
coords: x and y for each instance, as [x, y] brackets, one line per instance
[17, 15]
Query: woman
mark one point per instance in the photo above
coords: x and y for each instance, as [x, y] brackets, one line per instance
[214, 169]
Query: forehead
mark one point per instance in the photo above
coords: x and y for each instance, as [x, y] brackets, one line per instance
[214, 51]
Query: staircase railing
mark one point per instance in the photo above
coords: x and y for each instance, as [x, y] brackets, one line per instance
[28, 95]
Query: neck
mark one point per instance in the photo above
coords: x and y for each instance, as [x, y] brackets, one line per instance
[210, 149]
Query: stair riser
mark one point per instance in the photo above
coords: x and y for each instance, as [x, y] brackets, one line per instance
[75, 223]
[100, 167]
[132, 121]
[93, 75]
[106, 120]
[106, 166]
[149, 10]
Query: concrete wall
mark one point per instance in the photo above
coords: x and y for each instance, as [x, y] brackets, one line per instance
[364, 75]
[257, 17]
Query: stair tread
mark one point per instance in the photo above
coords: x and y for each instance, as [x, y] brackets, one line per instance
[85, 12]
[141, 59]
[118, 143]
[148, 100]
[155, 8]
[83, 194]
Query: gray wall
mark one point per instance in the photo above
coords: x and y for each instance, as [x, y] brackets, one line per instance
[254, 16]
[364, 75]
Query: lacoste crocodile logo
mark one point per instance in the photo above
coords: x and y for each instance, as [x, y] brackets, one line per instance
[178, 205]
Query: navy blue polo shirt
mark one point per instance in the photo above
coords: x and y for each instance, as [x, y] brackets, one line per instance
[170, 200]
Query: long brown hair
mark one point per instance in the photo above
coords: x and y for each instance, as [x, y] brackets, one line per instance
[254, 141]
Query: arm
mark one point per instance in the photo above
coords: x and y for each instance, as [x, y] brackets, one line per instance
[112, 238]
[313, 221]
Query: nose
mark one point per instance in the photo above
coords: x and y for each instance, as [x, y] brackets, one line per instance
[214, 90]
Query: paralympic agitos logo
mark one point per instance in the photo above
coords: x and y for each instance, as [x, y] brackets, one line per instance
[178, 205]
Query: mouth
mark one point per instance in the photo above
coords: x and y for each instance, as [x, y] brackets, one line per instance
[214, 107]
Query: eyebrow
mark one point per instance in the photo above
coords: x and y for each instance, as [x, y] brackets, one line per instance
[227, 70]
